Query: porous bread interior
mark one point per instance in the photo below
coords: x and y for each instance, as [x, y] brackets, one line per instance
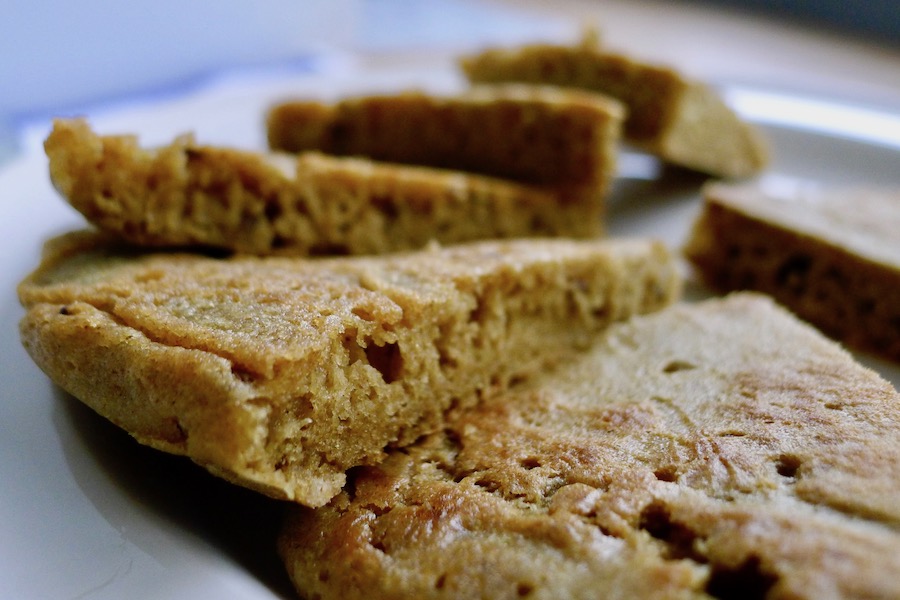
[531, 134]
[851, 297]
[287, 372]
[186, 194]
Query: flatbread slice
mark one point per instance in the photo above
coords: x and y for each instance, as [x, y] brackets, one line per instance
[282, 373]
[830, 254]
[191, 195]
[714, 450]
[544, 136]
[680, 120]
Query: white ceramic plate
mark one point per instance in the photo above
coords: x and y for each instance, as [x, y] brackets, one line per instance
[87, 513]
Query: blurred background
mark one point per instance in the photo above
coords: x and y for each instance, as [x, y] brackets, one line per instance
[63, 56]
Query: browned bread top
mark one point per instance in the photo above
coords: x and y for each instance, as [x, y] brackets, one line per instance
[716, 450]
[861, 220]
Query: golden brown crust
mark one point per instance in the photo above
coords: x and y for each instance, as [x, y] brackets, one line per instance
[531, 134]
[715, 450]
[832, 255]
[681, 121]
[185, 194]
[282, 373]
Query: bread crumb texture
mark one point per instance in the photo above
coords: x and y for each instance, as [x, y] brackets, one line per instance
[189, 195]
[542, 135]
[830, 254]
[283, 373]
[680, 120]
[716, 450]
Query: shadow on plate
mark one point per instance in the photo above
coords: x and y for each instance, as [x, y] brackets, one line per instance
[124, 479]
[660, 203]
[637, 194]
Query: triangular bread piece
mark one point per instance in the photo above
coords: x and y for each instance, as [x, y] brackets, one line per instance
[831, 254]
[283, 373]
[565, 139]
[715, 450]
[678, 119]
[190, 195]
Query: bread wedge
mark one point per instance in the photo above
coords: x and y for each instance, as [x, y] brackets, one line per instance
[715, 450]
[281, 374]
[678, 119]
[191, 195]
[544, 136]
[830, 254]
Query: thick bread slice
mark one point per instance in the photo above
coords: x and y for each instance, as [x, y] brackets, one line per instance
[186, 194]
[715, 450]
[282, 373]
[832, 255]
[682, 121]
[531, 134]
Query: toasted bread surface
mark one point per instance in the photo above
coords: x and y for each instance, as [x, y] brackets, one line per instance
[715, 450]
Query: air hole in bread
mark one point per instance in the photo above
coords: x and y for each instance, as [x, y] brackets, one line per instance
[386, 205]
[444, 347]
[530, 462]
[301, 207]
[386, 359]
[279, 242]
[788, 466]
[273, 210]
[669, 473]
[363, 313]
[176, 434]
[479, 314]
[792, 273]
[329, 250]
[747, 581]
[524, 589]
[732, 433]
[241, 373]
[679, 540]
[517, 379]
[487, 484]
[678, 365]
[440, 582]
[601, 313]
